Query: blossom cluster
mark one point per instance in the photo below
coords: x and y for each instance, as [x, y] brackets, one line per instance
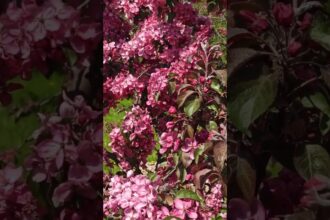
[16, 200]
[32, 35]
[134, 195]
[134, 141]
[121, 86]
[284, 17]
[65, 152]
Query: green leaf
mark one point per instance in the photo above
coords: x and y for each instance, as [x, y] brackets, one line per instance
[313, 159]
[153, 157]
[239, 57]
[246, 178]
[252, 100]
[152, 176]
[273, 167]
[215, 85]
[38, 89]
[198, 152]
[71, 56]
[190, 131]
[172, 86]
[213, 107]
[320, 31]
[212, 126]
[125, 103]
[188, 194]
[15, 132]
[319, 101]
[114, 169]
[192, 106]
[181, 173]
[324, 124]
[19, 121]
[325, 74]
[176, 159]
[184, 96]
[305, 215]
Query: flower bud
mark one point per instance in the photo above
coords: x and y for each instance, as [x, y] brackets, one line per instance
[172, 110]
[283, 13]
[257, 23]
[305, 22]
[294, 47]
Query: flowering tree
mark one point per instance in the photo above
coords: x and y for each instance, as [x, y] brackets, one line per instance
[164, 111]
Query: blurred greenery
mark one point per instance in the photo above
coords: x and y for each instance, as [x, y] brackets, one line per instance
[19, 119]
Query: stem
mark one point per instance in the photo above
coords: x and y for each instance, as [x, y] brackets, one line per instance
[307, 62]
[79, 80]
[295, 5]
[83, 4]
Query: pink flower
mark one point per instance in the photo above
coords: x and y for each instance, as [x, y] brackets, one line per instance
[190, 145]
[45, 21]
[169, 140]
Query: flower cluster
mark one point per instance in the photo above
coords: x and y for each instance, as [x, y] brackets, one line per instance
[134, 142]
[32, 34]
[65, 152]
[190, 209]
[133, 196]
[121, 86]
[157, 87]
[16, 200]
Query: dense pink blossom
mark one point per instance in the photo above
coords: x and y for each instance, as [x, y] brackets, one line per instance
[157, 86]
[64, 150]
[134, 141]
[134, 196]
[32, 34]
[125, 84]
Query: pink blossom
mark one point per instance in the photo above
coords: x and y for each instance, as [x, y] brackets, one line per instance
[135, 196]
[168, 141]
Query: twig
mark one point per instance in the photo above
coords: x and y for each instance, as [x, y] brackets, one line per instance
[304, 84]
[83, 4]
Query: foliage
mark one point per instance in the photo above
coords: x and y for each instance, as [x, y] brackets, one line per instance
[278, 96]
